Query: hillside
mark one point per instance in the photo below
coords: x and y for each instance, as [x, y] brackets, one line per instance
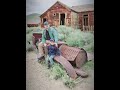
[33, 18]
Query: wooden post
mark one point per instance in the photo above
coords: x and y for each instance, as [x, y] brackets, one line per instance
[65, 18]
[61, 22]
[89, 28]
[71, 20]
[83, 27]
[42, 20]
[59, 18]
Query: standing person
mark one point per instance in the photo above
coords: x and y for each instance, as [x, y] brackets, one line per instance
[52, 52]
[48, 33]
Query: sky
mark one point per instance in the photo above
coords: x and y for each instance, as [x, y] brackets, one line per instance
[40, 6]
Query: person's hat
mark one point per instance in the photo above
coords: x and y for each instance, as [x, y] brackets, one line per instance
[45, 23]
[52, 40]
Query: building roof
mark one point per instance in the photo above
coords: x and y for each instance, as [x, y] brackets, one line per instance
[83, 8]
[79, 8]
[67, 7]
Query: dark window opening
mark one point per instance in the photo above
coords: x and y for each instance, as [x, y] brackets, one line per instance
[85, 20]
[54, 14]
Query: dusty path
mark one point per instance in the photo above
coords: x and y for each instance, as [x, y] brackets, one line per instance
[37, 77]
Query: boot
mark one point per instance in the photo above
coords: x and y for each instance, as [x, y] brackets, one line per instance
[40, 57]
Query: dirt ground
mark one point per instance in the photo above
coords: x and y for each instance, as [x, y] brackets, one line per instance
[37, 77]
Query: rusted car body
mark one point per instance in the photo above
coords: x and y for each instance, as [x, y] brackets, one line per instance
[72, 58]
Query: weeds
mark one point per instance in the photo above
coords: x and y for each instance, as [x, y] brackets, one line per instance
[89, 65]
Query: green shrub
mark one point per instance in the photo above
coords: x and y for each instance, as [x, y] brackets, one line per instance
[33, 29]
[37, 30]
[75, 39]
[89, 47]
[68, 81]
[29, 47]
[61, 37]
[81, 39]
[57, 71]
[89, 65]
[28, 30]
[29, 37]
[64, 32]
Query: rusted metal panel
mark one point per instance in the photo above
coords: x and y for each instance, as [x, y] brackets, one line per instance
[81, 58]
[68, 52]
[66, 64]
[81, 73]
[35, 38]
[37, 35]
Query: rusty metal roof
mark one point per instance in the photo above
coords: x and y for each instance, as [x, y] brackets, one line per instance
[68, 52]
[83, 8]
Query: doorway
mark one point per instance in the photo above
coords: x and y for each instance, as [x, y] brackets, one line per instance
[85, 20]
[44, 19]
[62, 19]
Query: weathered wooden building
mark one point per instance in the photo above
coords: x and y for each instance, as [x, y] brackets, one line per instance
[76, 16]
[86, 15]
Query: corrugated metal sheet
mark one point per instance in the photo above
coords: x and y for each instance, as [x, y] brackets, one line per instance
[68, 52]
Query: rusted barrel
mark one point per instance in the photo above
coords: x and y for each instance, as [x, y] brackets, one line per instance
[81, 58]
[77, 56]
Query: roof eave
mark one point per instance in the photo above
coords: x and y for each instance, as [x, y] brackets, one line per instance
[74, 11]
[86, 11]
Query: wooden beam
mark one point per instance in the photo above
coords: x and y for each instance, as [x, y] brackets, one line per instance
[59, 18]
[65, 19]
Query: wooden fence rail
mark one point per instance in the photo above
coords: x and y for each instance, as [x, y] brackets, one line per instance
[88, 28]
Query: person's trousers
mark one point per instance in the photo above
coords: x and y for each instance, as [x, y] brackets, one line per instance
[43, 51]
[50, 58]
